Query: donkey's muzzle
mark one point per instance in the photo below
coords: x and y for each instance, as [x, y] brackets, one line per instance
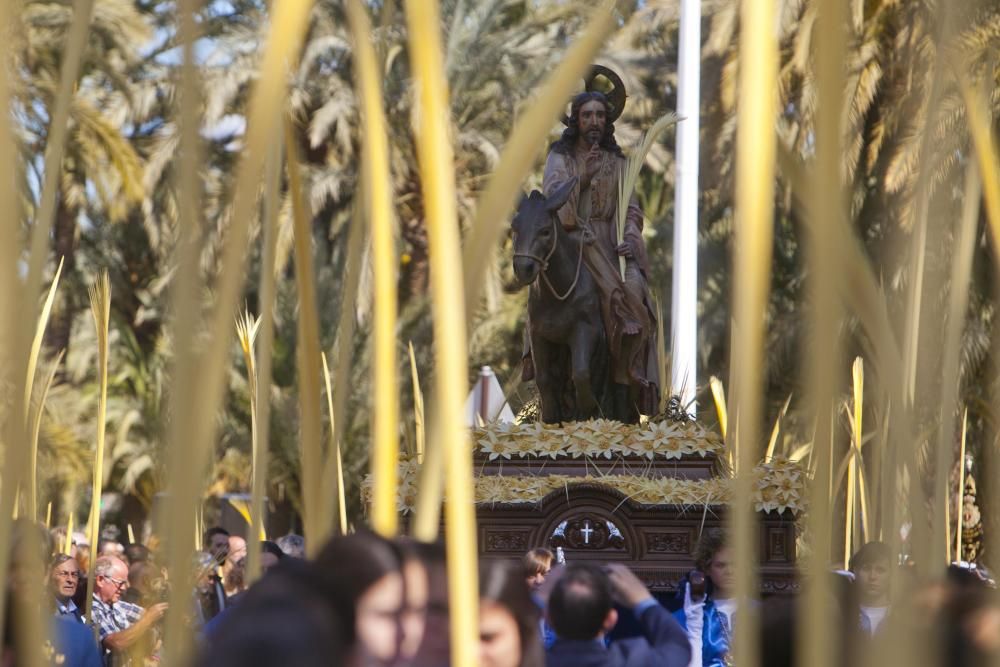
[525, 270]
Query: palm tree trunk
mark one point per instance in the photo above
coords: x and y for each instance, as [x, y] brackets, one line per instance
[65, 307]
[416, 274]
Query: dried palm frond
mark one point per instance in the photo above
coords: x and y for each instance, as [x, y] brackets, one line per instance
[959, 515]
[418, 406]
[719, 397]
[755, 168]
[262, 402]
[333, 471]
[334, 451]
[448, 306]
[246, 332]
[316, 526]
[777, 428]
[100, 305]
[29, 383]
[629, 176]
[378, 206]
[36, 427]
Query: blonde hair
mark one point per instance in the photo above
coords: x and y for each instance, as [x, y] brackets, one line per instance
[537, 561]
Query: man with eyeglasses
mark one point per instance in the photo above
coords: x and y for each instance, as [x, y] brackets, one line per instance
[125, 629]
[64, 577]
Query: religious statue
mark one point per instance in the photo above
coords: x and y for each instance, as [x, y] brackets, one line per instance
[590, 333]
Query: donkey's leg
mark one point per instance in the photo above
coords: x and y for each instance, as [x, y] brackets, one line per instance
[547, 381]
[582, 343]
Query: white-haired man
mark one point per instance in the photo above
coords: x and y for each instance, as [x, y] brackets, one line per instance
[124, 628]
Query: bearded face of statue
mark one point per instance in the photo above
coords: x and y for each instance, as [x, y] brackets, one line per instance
[593, 120]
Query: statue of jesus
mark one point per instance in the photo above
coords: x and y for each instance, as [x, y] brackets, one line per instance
[588, 150]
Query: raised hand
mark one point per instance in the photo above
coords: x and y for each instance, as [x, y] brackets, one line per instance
[157, 611]
[628, 590]
[592, 164]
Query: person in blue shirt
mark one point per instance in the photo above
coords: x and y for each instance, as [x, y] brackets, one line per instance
[708, 614]
[537, 564]
[65, 641]
[64, 577]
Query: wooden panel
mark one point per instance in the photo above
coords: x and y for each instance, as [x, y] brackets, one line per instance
[673, 542]
[598, 524]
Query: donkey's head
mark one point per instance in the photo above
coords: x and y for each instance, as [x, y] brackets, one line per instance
[533, 230]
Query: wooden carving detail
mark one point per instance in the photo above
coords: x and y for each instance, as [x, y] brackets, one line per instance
[777, 545]
[673, 542]
[587, 532]
[506, 541]
[778, 584]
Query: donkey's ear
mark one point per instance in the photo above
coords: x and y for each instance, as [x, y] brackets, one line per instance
[520, 202]
[555, 201]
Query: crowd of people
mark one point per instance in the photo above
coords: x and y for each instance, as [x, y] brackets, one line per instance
[368, 601]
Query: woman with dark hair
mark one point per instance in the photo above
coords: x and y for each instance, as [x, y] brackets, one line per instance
[362, 575]
[508, 619]
[434, 649]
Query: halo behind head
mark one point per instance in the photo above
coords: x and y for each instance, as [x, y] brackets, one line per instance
[616, 96]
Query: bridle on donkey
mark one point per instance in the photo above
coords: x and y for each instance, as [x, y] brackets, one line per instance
[544, 261]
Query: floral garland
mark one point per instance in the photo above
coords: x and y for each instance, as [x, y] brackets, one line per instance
[597, 438]
[780, 484]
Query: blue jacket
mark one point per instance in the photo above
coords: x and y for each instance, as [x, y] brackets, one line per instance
[714, 636]
[75, 643]
[663, 644]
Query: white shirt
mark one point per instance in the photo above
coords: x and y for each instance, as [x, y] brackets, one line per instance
[727, 608]
[875, 616]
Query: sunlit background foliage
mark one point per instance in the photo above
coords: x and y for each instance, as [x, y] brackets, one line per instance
[117, 206]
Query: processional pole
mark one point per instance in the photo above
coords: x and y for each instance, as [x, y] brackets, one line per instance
[684, 302]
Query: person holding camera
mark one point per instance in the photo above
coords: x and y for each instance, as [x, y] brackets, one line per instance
[581, 611]
[709, 602]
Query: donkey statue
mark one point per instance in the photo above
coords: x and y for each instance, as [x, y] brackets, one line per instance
[566, 335]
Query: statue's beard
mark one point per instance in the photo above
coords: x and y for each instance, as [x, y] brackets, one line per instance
[594, 136]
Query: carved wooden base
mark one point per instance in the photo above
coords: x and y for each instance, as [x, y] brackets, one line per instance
[594, 523]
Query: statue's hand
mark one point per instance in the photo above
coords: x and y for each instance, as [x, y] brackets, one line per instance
[625, 250]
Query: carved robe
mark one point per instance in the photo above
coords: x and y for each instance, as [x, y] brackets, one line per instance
[622, 303]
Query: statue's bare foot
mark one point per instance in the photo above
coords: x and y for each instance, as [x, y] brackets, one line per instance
[631, 328]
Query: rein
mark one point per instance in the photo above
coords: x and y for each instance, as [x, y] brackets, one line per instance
[544, 261]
